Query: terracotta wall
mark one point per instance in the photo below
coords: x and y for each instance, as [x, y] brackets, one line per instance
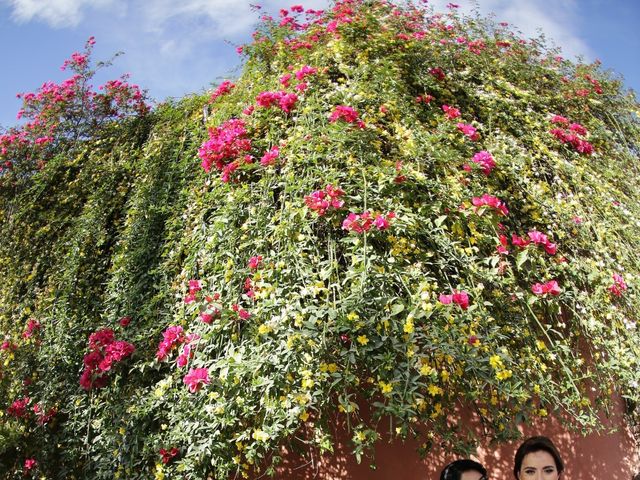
[611, 456]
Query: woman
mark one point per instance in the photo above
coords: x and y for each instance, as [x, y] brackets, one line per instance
[537, 459]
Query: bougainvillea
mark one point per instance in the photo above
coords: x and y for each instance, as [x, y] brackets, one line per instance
[396, 212]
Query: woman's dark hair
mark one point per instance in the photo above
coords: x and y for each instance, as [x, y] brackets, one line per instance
[454, 470]
[536, 444]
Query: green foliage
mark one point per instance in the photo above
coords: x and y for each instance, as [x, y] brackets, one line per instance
[342, 326]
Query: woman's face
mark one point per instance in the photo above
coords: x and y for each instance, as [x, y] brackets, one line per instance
[538, 465]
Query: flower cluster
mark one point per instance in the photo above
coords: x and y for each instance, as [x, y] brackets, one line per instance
[360, 223]
[320, 201]
[196, 379]
[168, 455]
[104, 352]
[18, 408]
[346, 114]
[226, 145]
[469, 131]
[551, 287]
[32, 326]
[572, 134]
[171, 338]
[490, 201]
[619, 285]
[284, 100]
[485, 160]
[459, 298]
[194, 288]
[224, 88]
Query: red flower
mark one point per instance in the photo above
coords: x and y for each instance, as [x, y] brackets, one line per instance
[124, 321]
[168, 455]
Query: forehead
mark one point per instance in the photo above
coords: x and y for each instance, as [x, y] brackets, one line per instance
[538, 459]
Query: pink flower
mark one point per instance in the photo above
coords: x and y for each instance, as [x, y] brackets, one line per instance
[208, 317]
[322, 200]
[459, 298]
[196, 379]
[485, 160]
[346, 114]
[437, 72]
[551, 287]
[124, 321]
[194, 286]
[502, 246]
[32, 326]
[305, 72]
[101, 338]
[18, 408]
[559, 119]
[358, 223]
[224, 88]
[269, 158]
[172, 336]
[381, 222]
[226, 143]
[619, 286]
[450, 112]
[490, 201]
[255, 262]
[30, 464]
[469, 130]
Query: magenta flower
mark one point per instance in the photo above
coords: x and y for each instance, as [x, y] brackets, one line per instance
[255, 262]
[551, 287]
[224, 88]
[459, 298]
[346, 114]
[30, 464]
[358, 223]
[485, 160]
[269, 158]
[619, 286]
[490, 201]
[469, 130]
[196, 379]
[322, 200]
[450, 112]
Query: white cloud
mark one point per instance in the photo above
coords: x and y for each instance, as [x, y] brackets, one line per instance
[557, 19]
[57, 13]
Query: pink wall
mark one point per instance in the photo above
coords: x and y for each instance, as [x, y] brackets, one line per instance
[611, 456]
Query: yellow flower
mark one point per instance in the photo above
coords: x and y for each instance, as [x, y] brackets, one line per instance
[434, 390]
[385, 387]
[408, 325]
[362, 339]
[426, 369]
[260, 436]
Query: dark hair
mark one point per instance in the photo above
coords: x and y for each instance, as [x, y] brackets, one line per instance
[454, 470]
[536, 444]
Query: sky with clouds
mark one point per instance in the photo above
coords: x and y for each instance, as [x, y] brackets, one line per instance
[174, 48]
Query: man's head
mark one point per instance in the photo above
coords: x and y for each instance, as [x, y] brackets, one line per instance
[464, 470]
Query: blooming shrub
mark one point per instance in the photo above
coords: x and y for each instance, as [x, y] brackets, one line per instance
[392, 259]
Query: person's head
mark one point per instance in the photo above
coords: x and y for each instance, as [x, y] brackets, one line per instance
[537, 458]
[463, 470]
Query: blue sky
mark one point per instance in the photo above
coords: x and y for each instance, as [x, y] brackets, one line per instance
[174, 48]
